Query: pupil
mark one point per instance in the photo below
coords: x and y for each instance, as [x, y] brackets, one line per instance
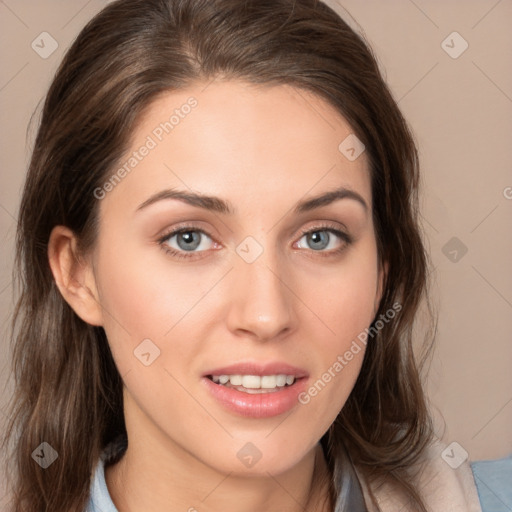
[318, 237]
[189, 237]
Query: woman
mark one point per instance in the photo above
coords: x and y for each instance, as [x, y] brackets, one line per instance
[220, 265]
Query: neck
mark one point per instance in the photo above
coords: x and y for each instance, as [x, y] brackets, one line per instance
[163, 477]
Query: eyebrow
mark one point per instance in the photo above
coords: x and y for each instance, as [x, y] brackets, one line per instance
[218, 205]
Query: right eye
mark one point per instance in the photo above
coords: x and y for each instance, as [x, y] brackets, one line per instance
[183, 240]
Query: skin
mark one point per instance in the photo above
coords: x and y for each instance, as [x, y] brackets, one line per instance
[263, 149]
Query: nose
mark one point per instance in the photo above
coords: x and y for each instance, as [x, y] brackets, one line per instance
[262, 301]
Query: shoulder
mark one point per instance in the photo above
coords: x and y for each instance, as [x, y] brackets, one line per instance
[446, 479]
[443, 477]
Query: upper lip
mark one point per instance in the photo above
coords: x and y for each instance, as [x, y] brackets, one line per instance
[253, 368]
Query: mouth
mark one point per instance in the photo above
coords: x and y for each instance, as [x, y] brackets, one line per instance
[254, 377]
[256, 390]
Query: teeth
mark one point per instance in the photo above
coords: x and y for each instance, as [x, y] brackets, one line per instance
[251, 381]
[255, 381]
[268, 381]
[281, 380]
[236, 380]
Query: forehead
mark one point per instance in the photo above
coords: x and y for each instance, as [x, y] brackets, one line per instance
[235, 139]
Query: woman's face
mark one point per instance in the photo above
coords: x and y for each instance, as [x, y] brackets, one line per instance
[244, 288]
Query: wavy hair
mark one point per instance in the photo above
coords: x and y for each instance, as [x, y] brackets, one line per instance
[67, 390]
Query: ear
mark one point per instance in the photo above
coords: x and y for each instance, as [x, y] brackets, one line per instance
[383, 272]
[74, 275]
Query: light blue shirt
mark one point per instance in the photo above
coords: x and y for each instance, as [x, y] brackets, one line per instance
[493, 480]
[100, 500]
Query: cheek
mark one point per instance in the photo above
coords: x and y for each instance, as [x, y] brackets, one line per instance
[344, 307]
[141, 303]
[344, 299]
[143, 298]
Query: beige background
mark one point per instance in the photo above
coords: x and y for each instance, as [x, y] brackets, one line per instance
[460, 110]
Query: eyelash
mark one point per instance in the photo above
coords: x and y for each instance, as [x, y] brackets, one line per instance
[323, 227]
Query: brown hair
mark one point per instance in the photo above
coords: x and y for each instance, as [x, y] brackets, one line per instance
[68, 391]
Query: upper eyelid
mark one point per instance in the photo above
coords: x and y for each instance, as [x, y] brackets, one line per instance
[184, 229]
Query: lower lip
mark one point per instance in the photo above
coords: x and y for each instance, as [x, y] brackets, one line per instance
[260, 405]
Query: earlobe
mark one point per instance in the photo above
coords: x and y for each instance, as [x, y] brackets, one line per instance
[73, 275]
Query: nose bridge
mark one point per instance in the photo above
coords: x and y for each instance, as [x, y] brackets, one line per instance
[261, 301]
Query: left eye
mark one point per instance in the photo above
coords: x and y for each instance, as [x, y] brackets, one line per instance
[321, 239]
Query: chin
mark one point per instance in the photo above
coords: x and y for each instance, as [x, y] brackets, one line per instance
[261, 456]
